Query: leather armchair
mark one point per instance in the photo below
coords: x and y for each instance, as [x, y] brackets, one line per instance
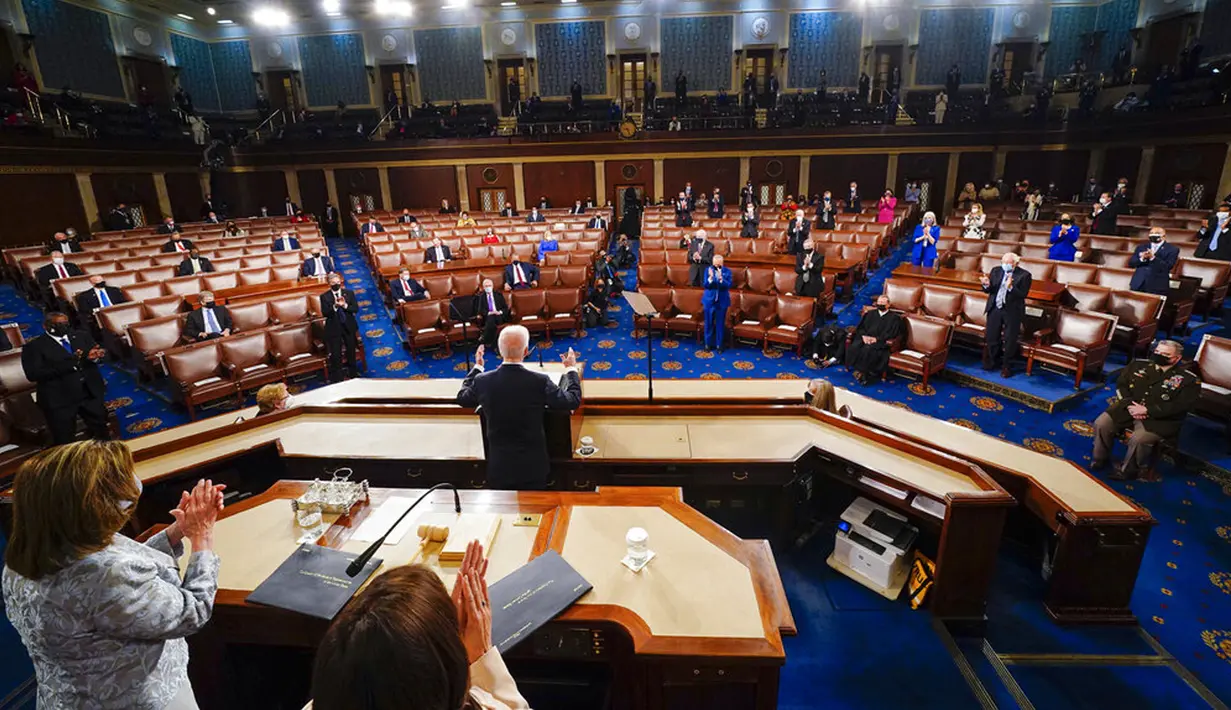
[925, 347]
[113, 321]
[295, 351]
[250, 316]
[291, 309]
[529, 309]
[660, 297]
[149, 339]
[752, 315]
[248, 362]
[651, 275]
[1137, 319]
[1214, 275]
[1079, 342]
[970, 328]
[163, 306]
[677, 275]
[12, 374]
[791, 323]
[1074, 273]
[941, 302]
[686, 314]
[1088, 298]
[761, 279]
[425, 325]
[1213, 364]
[564, 310]
[569, 277]
[199, 376]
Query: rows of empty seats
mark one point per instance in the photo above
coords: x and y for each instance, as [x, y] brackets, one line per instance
[756, 318]
[765, 280]
[543, 311]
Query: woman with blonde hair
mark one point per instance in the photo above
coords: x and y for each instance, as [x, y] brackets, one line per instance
[272, 398]
[104, 617]
[820, 395]
[972, 223]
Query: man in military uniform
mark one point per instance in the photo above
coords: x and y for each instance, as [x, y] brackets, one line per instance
[1154, 397]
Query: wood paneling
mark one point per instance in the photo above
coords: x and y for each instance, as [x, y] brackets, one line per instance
[1188, 164]
[1066, 168]
[973, 167]
[773, 169]
[313, 194]
[246, 193]
[357, 181]
[704, 173]
[836, 172]
[923, 167]
[491, 176]
[111, 189]
[184, 190]
[628, 172]
[562, 183]
[1122, 162]
[423, 186]
[37, 206]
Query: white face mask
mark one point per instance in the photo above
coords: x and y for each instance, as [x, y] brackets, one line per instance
[1224, 216]
[126, 504]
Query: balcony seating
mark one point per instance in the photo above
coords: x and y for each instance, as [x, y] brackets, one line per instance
[925, 347]
[1079, 342]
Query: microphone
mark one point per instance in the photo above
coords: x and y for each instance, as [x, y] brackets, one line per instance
[357, 566]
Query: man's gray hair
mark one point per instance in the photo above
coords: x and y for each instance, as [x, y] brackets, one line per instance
[1176, 346]
[201, 296]
[513, 341]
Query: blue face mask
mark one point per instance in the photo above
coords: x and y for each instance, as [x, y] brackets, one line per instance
[1008, 268]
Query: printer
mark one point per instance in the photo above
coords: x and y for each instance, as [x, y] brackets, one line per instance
[872, 547]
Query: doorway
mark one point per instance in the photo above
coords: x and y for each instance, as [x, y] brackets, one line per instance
[150, 74]
[632, 82]
[281, 91]
[493, 199]
[771, 193]
[621, 208]
[1018, 62]
[760, 64]
[1164, 40]
[513, 87]
[886, 70]
[393, 78]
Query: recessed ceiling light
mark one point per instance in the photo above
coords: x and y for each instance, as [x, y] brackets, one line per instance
[394, 7]
[508, 4]
[226, 22]
[182, 16]
[211, 11]
[567, 2]
[331, 7]
[271, 17]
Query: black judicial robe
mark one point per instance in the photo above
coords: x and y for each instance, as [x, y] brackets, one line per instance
[872, 360]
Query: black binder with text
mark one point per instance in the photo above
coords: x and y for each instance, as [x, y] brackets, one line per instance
[531, 596]
[313, 581]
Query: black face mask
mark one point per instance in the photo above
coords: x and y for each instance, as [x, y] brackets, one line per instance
[336, 287]
[1066, 222]
[316, 255]
[1160, 359]
[208, 304]
[1155, 239]
[101, 284]
[57, 329]
[882, 309]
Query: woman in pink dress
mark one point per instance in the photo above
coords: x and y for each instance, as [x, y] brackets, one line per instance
[884, 207]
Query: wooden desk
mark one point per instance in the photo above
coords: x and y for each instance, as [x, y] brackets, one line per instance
[705, 618]
[1043, 292]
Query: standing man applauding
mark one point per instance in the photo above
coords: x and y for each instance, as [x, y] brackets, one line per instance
[1006, 307]
[63, 364]
[513, 399]
[700, 257]
[341, 310]
[715, 302]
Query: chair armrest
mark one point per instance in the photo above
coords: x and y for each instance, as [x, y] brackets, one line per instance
[1043, 335]
[1097, 350]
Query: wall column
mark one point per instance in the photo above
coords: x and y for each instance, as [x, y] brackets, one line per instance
[600, 183]
[1141, 188]
[386, 195]
[745, 171]
[1224, 180]
[805, 174]
[164, 199]
[999, 158]
[946, 200]
[891, 173]
[463, 189]
[292, 188]
[203, 178]
[659, 188]
[86, 189]
[1095, 167]
[519, 186]
[331, 189]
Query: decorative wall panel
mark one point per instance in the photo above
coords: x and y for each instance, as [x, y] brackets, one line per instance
[74, 48]
[1115, 19]
[196, 67]
[1214, 33]
[828, 41]
[700, 47]
[233, 72]
[333, 69]
[450, 63]
[1068, 24]
[960, 36]
[568, 52]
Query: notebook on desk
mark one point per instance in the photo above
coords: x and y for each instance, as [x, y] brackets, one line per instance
[313, 581]
[531, 596]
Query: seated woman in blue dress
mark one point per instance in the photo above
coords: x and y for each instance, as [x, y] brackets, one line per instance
[1064, 239]
[926, 234]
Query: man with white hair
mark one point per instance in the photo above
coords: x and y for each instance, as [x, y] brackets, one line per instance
[492, 311]
[700, 256]
[1007, 288]
[512, 399]
[797, 232]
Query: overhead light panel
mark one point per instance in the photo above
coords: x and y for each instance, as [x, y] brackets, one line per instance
[332, 7]
[568, 2]
[397, 8]
[508, 3]
[211, 11]
[226, 22]
[271, 17]
[182, 16]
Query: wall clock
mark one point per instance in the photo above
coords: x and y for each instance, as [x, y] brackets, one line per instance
[628, 129]
[760, 28]
[508, 37]
[388, 43]
[274, 50]
[142, 36]
[1021, 19]
[632, 31]
[891, 23]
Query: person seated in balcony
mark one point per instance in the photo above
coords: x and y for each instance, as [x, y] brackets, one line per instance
[544, 203]
[177, 244]
[1177, 198]
[913, 193]
[233, 230]
[169, 226]
[370, 227]
[519, 275]
[967, 196]
[674, 124]
[194, 263]
[465, 220]
[212, 218]
[535, 216]
[446, 208]
[406, 217]
[209, 321]
[509, 210]
[577, 208]
[926, 235]
[989, 193]
[285, 242]
[317, 265]
[867, 354]
[405, 288]
[438, 253]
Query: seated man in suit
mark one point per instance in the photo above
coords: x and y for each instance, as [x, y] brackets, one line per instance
[98, 295]
[513, 399]
[417, 231]
[63, 364]
[520, 276]
[491, 310]
[212, 218]
[169, 226]
[370, 227]
[317, 264]
[509, 210]
[1152, 399]
[208, 321]
[63, 244]
[598, 221]
[535, 216]
[1153, 263]
[438, 253]
[285, 242]
[406, 217]
[577, 208]
[700, 256]
[59, 268]
[404, 288]
[194, 263]
[177, 244]
[868, 352]
[1213, 240]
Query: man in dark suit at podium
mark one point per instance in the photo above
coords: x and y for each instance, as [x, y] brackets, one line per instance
[512, 400]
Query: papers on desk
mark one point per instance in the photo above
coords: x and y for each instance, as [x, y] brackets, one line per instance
[380, 519]
[750, 322]
[788, 328]
[911, 353]
[930, 506]
[883, 488]
[1066, 348]
[7, 448]
[207, 381]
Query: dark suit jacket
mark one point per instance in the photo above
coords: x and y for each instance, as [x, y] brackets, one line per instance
[854, 204]
[508, 212]
[717, 207]
[577, 210]
[46, 273]
[1154, 275]
[415, 293]
[1206, 235]
[430, 256]
[480, 305]
[683, 219]
[597, 222]
[73, 245]
[337, 322]
[87, 300]
[1015, 299]
[528, 270]
[169, 247]
[278, 246]
[1105, 221]
[536, 218]
[117, 220]
[173, 229]
[309, 265]
[795, 237]
[62, 379]
[293, 208]
[207, 207]
[706, 251]
[195, 324]
[366, 229]
[185, 267]
[815, 283]
[512, 400]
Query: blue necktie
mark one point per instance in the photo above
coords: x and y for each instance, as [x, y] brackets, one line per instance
[102, 297]
[211, 322]
[1214, 240]
[67, 345]
[1004, 288]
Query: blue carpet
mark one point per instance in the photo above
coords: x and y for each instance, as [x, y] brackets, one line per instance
[854, 649]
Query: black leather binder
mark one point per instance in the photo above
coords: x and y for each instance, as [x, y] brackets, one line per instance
[531, 596]
[313, 581]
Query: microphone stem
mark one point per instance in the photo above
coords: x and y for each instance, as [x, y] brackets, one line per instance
[355, 567]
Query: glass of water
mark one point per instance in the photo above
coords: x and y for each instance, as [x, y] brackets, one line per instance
[638, 541]
[308, 516]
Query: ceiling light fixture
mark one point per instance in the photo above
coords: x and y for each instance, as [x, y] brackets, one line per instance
[400, 8]
[568, 2]
[211, 11]
[332, 7]
[271, 17]
[182, 16]
[226, 22]
[508, 3]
